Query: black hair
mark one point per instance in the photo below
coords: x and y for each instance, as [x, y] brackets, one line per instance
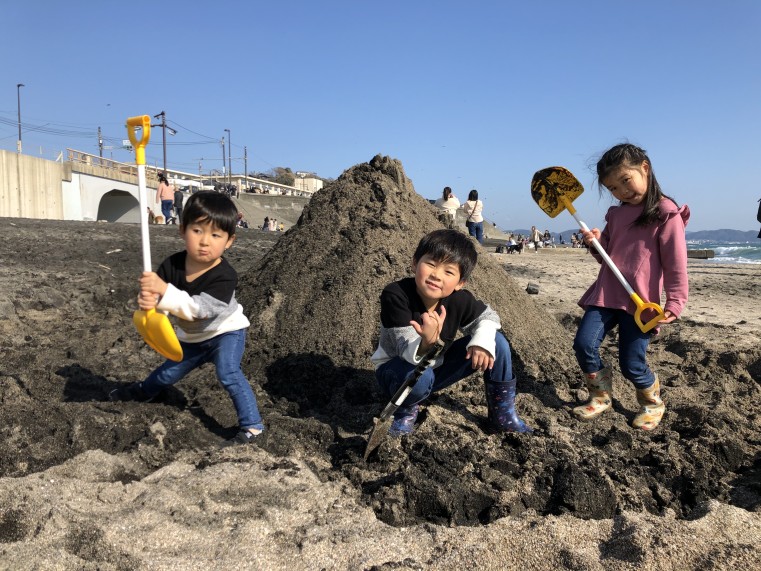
[473, 195]
[212, 207]
[632, 156]
[446, 193]
[451, 247]
[162, 178]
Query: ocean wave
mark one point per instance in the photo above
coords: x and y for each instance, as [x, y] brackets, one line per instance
[731, 260]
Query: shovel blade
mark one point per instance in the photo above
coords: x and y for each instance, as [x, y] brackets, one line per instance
[378, 434]
[158, 333]
[554, 189]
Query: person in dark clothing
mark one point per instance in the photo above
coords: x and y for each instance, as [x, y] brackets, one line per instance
[430, 308]
[179, 198]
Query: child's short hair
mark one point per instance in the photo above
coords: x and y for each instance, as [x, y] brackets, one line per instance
[449, 246]
[212, 207]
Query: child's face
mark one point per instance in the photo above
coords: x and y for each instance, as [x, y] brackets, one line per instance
[436, 280]
[205, 243]
[628, 184]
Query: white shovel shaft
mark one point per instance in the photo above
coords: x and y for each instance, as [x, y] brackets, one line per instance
[143, 198]
[604, 254]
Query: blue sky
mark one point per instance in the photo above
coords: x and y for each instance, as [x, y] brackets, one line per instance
[466, 94]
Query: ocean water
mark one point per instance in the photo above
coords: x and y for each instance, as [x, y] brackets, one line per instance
[729, 252]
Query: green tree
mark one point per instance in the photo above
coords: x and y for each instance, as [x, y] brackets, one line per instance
[283, 175]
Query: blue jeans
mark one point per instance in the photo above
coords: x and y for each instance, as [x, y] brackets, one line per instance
[632, 344]
[166, 209]
[476, 229]
[225, 351]
[391, 374]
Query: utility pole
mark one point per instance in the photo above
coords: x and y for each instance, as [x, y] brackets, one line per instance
[163, 133]
[18, 95]
[229, 159]
[100, 144]
[245, 167]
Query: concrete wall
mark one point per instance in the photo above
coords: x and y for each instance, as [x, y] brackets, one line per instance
[273, 202]
[31, 187]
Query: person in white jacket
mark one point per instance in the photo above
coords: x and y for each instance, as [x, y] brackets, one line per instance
[474, 221]
[447, 205]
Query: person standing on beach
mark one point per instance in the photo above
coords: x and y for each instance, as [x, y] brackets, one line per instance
[197, 286]
[165, 196]
[474, 221]
[179, 198]
[430, 309]
[536, 238]
[645, 237]
[447, 205]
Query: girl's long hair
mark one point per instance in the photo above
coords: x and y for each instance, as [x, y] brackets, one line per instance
[631, 156]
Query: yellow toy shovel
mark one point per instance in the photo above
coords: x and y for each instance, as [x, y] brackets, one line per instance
[154, 326]
[554, 189]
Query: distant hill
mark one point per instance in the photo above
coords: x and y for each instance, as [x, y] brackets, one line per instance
[724, 235]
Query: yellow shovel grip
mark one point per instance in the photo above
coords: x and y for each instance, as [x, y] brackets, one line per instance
[643, 306]
[143, 121]
[568, 204]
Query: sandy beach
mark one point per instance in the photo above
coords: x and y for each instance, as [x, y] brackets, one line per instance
[90, 484]
[720, 294]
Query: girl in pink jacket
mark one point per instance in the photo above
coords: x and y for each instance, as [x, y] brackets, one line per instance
[644, 235]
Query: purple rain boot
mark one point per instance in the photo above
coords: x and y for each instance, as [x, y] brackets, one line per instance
[404, 420]
[500, 399]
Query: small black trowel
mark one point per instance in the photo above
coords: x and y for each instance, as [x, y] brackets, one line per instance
[383, 422]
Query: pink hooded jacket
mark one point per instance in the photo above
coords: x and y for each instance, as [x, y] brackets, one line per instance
[652, 259]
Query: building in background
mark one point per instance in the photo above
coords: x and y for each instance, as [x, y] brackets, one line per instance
[307, 182]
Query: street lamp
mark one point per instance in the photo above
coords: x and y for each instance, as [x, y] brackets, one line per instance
[18, 95]
[224, 162]
[229, 158]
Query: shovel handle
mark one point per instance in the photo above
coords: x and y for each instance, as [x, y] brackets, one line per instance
[143, 121]
[647, 305]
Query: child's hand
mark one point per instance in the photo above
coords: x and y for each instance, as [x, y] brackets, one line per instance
[480, 358]
[147, 300]
[431, 328]
[588, 236]
[670, 318]
[150, 282]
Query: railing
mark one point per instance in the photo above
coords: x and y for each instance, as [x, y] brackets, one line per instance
[151, 174]
[112, 166]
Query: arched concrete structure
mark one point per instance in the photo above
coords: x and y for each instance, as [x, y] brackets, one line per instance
[90, 197]
[119, 206]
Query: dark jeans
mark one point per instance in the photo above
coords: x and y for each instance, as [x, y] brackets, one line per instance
[166, 209]
[476, 229]
[225, 351]
[392, 374]
[632, 344]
